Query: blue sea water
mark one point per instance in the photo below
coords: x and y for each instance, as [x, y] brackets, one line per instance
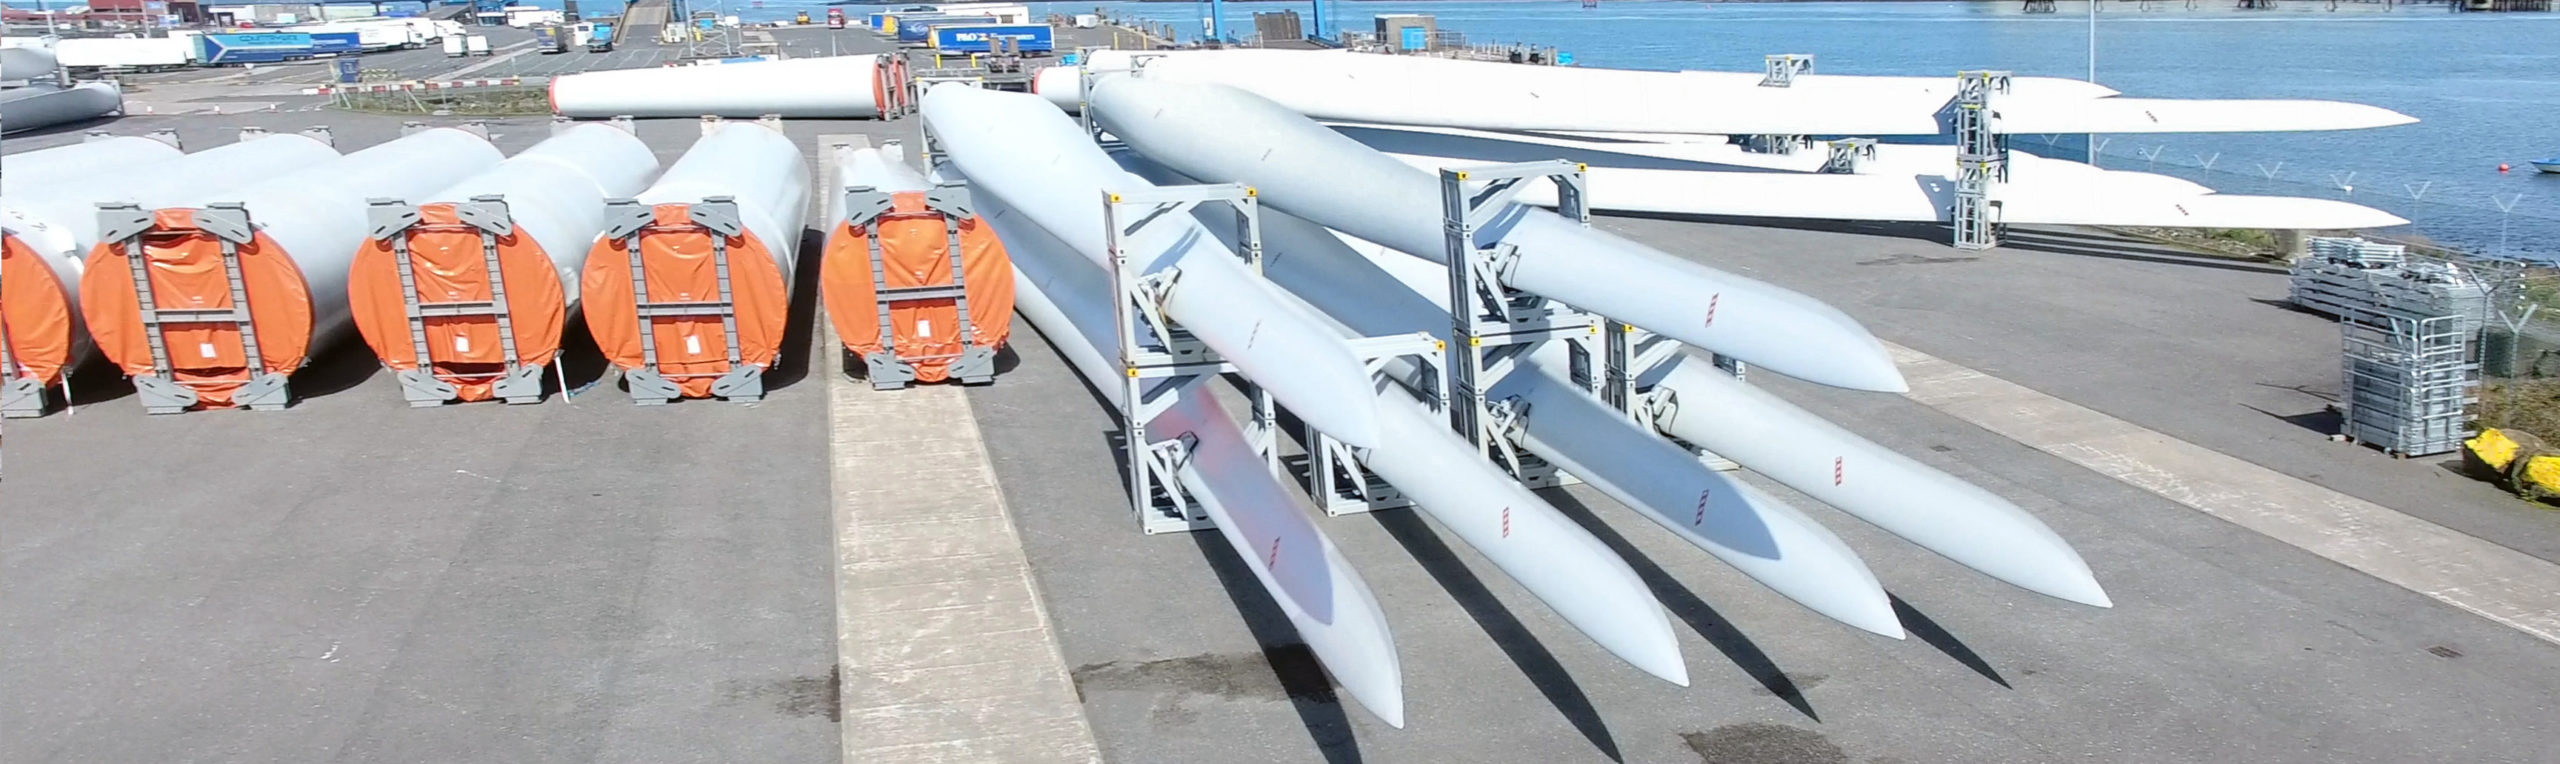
[2485, 86]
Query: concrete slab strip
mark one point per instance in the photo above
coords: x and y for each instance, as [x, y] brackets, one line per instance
[947, 652]
[899, 619]
[2498, 583]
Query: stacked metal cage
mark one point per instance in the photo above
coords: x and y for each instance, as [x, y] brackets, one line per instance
[2409, 381]
[2344, 275]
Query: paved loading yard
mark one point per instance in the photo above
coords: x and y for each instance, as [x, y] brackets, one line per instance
[593, 581]
[2224, 645]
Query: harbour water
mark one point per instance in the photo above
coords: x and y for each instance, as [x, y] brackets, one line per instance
[2486, 86]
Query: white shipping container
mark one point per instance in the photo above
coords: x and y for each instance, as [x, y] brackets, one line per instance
[1004, 13]
[1088, 21]
[477, 44]
[125, 53]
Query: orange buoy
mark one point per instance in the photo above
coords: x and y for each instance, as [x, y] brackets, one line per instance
[2502, 168]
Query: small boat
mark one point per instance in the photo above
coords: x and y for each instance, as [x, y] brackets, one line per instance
[2551, 165]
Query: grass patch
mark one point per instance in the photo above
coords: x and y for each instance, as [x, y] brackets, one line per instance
[469, 102]
[2531, 405]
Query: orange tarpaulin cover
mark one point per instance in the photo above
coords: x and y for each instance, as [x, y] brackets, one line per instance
[185, 266]
[914, 252]
[675, 256]
[447, 260]
[35, 312]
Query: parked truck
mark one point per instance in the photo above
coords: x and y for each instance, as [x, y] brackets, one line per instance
[549, 39]
[456, 46]
[600, 39]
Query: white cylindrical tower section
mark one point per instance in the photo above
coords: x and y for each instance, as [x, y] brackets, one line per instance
[829, 87]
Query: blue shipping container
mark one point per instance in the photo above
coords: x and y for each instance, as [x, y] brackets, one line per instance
[876, 20]
[266, 48]
[978, 38]
[916, 29]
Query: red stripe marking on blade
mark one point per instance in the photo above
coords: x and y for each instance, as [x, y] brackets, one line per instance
[1839, 469]
[1712, 301]
[1274, 562]
[1701, 519]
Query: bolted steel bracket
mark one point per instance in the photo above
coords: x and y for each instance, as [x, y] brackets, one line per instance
[522, 385]
[863, 204]
[21, 397]
[887, 372]
[389, 217]
[624, 217]
[266, 391]
[161, 395]
[228, 221]
[423, 390]
[975, 366]
[488, 213]
[648, 388]
[119, 221]
[743, 384]
[950, 199]
[718, 213]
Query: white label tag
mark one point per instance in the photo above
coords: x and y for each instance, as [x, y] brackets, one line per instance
[461, 343]
[924, 327]
[692, 344]
[205, 348]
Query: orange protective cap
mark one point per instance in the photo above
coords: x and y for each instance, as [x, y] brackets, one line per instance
[446, 258]
[914, 252]
[185, 267]
[35, 312]
[676, 258]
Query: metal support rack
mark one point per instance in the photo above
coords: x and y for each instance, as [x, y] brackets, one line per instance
[1653, 405]
[1772, 143]
[488, 216]
[1982, 158]
[1848, 155]
[628, 219]
[125, 225]
[1492, 325]
[1086, 75]
[1779, 70]
[865, 207]
[1160, 359]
